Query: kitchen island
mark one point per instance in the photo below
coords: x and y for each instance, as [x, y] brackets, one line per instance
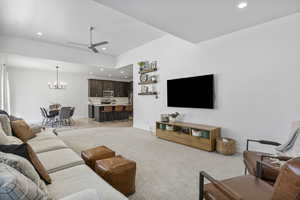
[110, 112]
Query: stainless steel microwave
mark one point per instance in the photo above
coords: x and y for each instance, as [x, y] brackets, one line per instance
[108, 93]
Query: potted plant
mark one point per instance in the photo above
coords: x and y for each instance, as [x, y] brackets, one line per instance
[173, 116]
[142, 64]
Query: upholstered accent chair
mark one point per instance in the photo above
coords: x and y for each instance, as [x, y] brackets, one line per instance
[248, 187]
[284, 152]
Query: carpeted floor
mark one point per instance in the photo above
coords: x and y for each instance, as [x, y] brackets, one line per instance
[165, 170]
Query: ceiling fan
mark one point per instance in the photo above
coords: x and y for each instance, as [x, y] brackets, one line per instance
[92, 46]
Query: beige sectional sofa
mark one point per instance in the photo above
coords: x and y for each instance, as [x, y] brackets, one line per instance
[67, 170]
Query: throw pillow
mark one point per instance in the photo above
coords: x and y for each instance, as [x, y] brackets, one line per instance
[14, 185]
[5, 123]
[23, 166]
[25, 151]
[38, 165]
[22, 130]
[3, 137]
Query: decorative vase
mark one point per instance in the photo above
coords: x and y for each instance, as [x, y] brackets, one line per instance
[172, 119]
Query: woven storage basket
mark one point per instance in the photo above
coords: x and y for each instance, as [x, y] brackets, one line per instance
[226, 148]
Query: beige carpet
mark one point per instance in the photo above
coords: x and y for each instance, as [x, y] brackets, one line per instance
[165, 170]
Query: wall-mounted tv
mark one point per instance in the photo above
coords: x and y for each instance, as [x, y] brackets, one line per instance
[192, 92]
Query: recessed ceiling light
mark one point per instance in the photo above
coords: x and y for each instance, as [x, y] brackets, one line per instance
[39, 34]
[122, 72]
[104, 48]
[242, 4]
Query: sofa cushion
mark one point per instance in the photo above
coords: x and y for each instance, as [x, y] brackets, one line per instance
[14, 118]
[59, 159]
[40, 146]
[14, 185]
[22, 130]
[44, 134]
[14, 140]
[5, 123]
[89, 194]
[78, 178]
[35, 128]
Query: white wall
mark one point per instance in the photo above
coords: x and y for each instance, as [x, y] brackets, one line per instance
[29, 91]
[257, 79]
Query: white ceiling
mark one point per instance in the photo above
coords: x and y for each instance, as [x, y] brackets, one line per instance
[63, 21]
[198, 20]
[123, 73]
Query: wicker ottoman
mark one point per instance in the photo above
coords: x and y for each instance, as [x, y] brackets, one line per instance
[90, 156]
[118, 172]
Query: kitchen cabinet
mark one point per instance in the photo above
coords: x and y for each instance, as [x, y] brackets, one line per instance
[96, 88]
[108, 85]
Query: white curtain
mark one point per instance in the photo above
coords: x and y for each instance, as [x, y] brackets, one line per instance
[4, 89]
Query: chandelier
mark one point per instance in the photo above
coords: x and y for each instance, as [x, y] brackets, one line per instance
[57, 84]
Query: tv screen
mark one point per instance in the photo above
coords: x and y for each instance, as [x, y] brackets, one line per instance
[192, 92]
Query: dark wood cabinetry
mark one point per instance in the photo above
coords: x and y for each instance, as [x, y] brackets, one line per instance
[91, 111]
[96, 88]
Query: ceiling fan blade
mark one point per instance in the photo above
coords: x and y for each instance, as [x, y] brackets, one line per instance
[77, 44]
[94, 49]
[99, 43]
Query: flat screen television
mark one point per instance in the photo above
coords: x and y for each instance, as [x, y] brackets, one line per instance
[192, 92]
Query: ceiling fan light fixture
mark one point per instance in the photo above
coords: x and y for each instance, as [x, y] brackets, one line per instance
[40, 34]
[242, 4]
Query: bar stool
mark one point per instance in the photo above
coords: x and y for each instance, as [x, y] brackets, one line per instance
[107, 113]
[119, 113]
[128, 111]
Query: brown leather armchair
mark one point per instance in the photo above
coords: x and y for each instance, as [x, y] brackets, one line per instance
[248, 187]
[251, 157]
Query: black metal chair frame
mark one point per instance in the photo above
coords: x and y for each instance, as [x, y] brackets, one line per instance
[265, 142]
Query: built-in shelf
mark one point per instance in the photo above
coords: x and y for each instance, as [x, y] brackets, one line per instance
[147, 82]
[147, 71]
[148, 93]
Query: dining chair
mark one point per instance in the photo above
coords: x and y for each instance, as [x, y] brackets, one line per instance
[64, 116]
[48, 117]
[72, 114]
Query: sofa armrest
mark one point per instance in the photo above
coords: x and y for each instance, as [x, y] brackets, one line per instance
[266, 142]
[88, 194]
